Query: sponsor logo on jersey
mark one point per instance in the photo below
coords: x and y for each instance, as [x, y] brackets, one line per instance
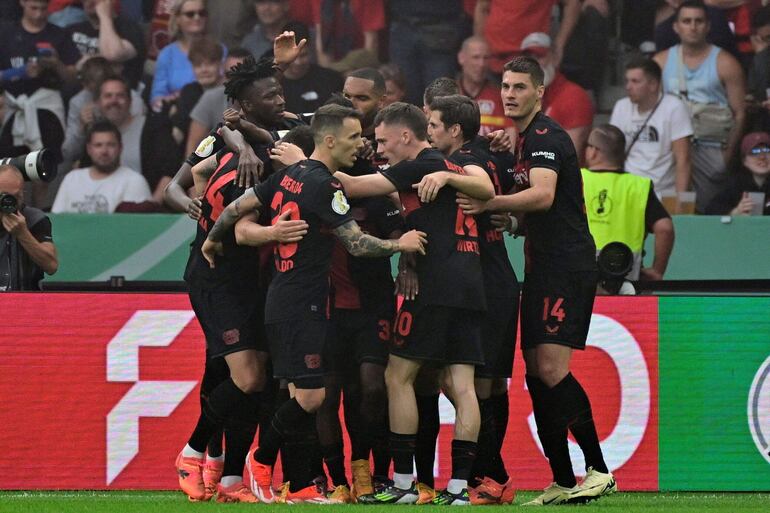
[205, 147]
[545, 154]
[340, 203]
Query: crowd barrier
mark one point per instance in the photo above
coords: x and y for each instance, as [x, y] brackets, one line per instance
[155, 247]
[105, 386]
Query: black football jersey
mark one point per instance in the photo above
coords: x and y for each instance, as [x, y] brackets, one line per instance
[557, 239]
[239, 266]
[450, 272]
[499, 277]
[300, 286]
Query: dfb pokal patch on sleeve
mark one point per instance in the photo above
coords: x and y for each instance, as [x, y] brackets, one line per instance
[340, 203]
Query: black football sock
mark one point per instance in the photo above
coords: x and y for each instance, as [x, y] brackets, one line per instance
[203, 432]
[581, 422]
[427, 434]
[238, 440]
[402, 447]
[381, 452]
[334, 458]
[487, 444]
[463, 455]
[289, 415]
[302, 454]
[551, 431]
[208, 431]
[214, 447]
[500, 406]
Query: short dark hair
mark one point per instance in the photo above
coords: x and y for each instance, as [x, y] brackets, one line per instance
[393, 73]
[442, 86]
[460, 110]
[691, 4]
[405, 114]
[101, 126]
[241, 76]
[302, 136]
[329, 118]
[205, 49]
[338, 99]
[611, 141]
[761, 17]
[372, 75]
[113, 78]
[528, 65]
[648, 66]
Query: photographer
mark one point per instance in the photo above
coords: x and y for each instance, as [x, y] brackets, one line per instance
[26, 246]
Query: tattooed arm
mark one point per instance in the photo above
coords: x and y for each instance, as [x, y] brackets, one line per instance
[212, 246]
[360, 244]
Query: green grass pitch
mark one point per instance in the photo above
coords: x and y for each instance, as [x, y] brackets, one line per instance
[173, 502]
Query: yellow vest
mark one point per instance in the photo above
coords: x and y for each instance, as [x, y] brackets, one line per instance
[615, 205]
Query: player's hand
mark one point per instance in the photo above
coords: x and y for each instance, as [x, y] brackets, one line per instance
[649, 274]
[407, 284]
[430, 184]
[502, 222]
[286, 49]
[413, 241]
[286, 231]
[744, 206]
[499, 141]
[232, 119]
[103, 9]
[15, 224]
[210, 250]
[287, 153]
[470, 205]
[194, 208]
[367, 152]
[250, 168]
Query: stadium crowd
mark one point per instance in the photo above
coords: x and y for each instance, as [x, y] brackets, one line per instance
[372, 121]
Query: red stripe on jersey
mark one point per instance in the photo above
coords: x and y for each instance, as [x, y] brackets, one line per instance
[214, 195]
[410, 201]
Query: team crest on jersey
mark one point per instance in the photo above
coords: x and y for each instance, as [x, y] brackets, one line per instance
[340, 203]
[205, 147]
[541, 132]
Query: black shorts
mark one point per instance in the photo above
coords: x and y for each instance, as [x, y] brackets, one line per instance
[231, 321]
[556, 308]
[438, 334]
[498, 337]
[355, 337]
[296, 350]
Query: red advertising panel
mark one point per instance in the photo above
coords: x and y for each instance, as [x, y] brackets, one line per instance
[100, 391]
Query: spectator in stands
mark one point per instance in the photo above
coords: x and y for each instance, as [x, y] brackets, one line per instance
[146, 147]
[564, 101]
[112, 36]
[424, 39]
[585, 55]
[207, 112]
[442, 86]
[474, 82]
[657, 129]
[100, 188]
[759, 71]
[174, 69]
[36, 58]
[26, 246]
[224, 21]
[272, 17]
[622, 207]
[719, 32]
[307, 86]
[704, 75]
[751, 177]
[206, 58]
[504, 25]
[395, 83]
[342, 26]
[64, 13]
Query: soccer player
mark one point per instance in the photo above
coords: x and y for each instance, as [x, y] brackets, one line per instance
[452, 127]
[559, 283]
[295, 313]
[442, 325]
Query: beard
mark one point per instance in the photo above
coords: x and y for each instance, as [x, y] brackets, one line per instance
[107, 167]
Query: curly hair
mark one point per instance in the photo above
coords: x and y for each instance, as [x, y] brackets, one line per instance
[241, 76]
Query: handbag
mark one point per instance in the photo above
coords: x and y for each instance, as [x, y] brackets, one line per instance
[710, 121]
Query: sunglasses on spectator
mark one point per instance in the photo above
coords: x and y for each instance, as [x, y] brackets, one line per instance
[759, 150]
[202, 13]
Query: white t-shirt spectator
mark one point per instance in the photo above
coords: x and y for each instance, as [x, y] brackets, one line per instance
[651, 155]
[81, 194]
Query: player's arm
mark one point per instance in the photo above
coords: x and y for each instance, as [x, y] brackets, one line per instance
[361, 244]
[365, 186]
[175, 194]
[212, 246]
[250, 167]
[537, 198]
[202, 171]
[475, 183]
[248, 232]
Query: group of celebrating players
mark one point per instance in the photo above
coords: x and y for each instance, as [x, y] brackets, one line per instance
[291, 276]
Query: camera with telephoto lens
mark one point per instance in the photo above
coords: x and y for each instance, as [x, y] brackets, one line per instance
[36, 166]
[615, 261]
[8, 203]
